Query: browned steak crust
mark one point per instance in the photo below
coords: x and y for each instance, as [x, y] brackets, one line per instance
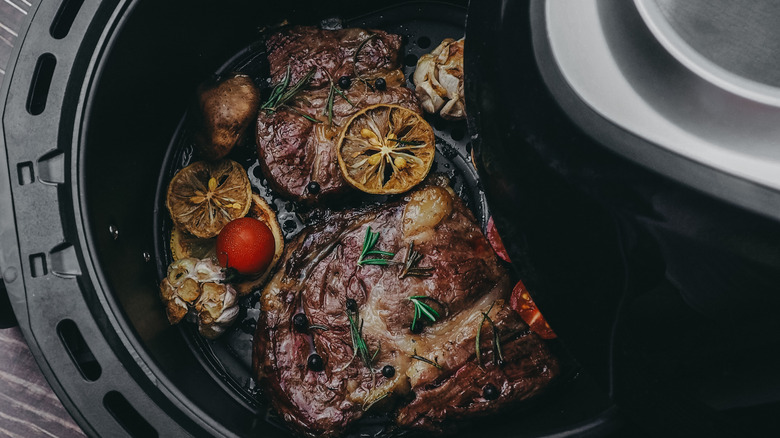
[320, 273]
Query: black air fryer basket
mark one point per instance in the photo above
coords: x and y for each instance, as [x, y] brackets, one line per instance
[95, 105]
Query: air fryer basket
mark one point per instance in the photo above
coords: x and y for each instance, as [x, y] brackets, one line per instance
[92, 102]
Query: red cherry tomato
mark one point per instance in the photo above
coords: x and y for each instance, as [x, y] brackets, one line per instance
[521, 302]
[495, 241]
[246, 245]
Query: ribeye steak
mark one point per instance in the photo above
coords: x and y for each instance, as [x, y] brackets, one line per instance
[294, 150]
[307, 307]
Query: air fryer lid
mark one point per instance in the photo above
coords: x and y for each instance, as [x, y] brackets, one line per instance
[695, 81]
[648, 262]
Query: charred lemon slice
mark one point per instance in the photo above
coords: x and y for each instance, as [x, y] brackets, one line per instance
[262, 211]
[386, 149]
[184, 245]
[204, 196]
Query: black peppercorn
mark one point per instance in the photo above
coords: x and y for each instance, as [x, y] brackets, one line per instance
[380, 84]
[490, 392]
[352, 305]
[416, 328]
[300, 322]
[345, 82]
[315, 363]
[388, 371]
[313, 187]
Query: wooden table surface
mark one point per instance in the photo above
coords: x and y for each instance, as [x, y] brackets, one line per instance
[28, 406]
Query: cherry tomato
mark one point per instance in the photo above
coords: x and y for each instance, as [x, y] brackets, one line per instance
[521, 302]
[246, 245]
[495, 241]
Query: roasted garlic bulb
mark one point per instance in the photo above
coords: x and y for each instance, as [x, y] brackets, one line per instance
[439, 80]
[196, 287]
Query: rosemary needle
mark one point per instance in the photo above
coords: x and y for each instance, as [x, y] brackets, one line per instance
[368, 250]
[410, 269]
[422, 309]
[479, 333]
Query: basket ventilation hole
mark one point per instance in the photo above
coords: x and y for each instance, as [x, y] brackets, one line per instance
[51, 167]
[26, 174]
[458, 134]
[423, 42]
[79, 351]
[38, 266]
[41, 81]
[64, 19]
[126, 415]
[64, 261]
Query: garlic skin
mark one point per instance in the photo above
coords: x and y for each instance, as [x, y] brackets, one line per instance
[439, 80]
[196, 287]
[216, 309]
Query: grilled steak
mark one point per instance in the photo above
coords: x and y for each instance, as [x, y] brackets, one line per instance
[436, 374]
[294, 150]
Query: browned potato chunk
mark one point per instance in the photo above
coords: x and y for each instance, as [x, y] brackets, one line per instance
[227, 108]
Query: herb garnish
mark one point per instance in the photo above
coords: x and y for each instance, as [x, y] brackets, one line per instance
[304, 115]
[412, 258]
[281, 94]
[331, 98]
[426, 360]
[318, 327]
[369, 404]
[342, 94]
[498, 356]
[422, 309]
[359, 346]
[329, 104]
[355, 60]
[368, 244]
[407, 142]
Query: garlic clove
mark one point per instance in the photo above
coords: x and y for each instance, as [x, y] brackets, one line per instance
[194, 289]
[439, 80]
[431, 101]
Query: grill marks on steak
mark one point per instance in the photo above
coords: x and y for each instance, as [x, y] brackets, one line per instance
[320, 273]
[295, 151]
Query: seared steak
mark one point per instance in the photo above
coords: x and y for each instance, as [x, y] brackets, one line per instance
[436, 374]
[294, 150]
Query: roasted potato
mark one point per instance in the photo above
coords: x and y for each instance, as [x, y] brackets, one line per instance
[226, 109]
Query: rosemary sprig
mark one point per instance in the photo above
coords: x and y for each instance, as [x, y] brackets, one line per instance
[277, 91]
[426, 360]
[355, 60]
[359, 346]
[498, 356]
[407, 142]
[422, 309]
[368, 250]
[329, 104]
[342, 94]
[410, 269]
[369, 404]
[318, 327]
[281, 94]
[332, 92]
[304, 115]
